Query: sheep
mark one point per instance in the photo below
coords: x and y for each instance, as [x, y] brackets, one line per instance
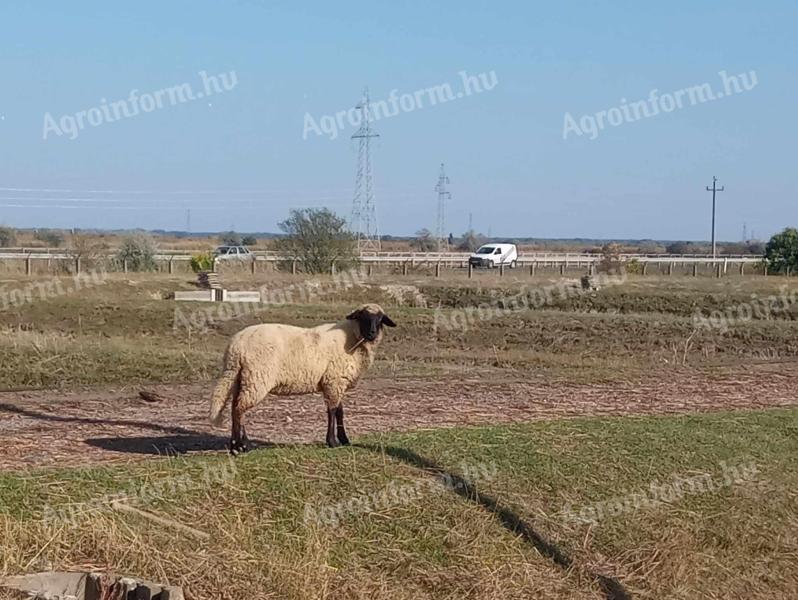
[284, 360]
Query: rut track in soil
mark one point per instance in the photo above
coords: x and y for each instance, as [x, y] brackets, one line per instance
[54, 428]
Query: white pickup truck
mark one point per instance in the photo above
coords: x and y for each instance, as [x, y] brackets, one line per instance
[494, 255]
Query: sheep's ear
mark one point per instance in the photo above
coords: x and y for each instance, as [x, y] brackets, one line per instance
[386, 320]
[354, 316]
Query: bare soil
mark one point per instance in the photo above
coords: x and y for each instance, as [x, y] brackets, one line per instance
[82, 427]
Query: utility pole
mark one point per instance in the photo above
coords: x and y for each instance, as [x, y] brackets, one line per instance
[443, 195]
[714, 189]
[364, 207]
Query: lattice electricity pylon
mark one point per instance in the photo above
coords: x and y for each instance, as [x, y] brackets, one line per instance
[364, 207]
[440, 226]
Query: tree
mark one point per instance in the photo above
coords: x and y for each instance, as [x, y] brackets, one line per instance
[317, 238]
[52, 238]
[471, 241]
[688, 248]
[248, 240]
[611, 258]
[424, 241]
[85, 246]
[139, 251]
[8, 237]
[747, 247]
[781, 252]
[230, 238]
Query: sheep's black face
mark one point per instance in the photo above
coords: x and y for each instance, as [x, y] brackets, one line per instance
[370, 323]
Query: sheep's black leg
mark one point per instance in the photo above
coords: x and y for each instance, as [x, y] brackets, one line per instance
[238, 439]
[331, 441]
[339, 419]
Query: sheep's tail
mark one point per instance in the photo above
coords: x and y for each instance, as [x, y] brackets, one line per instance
[226, 389]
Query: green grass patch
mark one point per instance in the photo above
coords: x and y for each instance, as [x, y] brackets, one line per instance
[374, 521]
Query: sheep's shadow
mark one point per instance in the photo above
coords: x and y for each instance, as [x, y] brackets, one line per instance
[611, 587]
[169, 445]
[178, 440]
[42, 416]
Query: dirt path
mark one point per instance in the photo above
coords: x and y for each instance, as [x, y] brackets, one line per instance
[56, 428]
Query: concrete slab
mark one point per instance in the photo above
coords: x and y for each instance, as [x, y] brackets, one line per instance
[231, 296]
[198, 296]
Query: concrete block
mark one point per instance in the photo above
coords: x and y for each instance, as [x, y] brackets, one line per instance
[231, 296]
[198, 296]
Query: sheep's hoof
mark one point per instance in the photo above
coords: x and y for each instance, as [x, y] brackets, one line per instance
[238, 447]
[332, 442]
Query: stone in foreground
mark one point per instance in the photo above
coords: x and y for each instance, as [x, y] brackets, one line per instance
[87, 586]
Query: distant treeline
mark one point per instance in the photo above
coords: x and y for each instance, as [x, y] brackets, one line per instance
[58, 237]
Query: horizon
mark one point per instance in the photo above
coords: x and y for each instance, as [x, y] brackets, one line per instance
[495, 239]
[577, 122]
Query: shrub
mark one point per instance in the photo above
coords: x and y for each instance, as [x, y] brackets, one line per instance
[231, 238]
[633, 267]
[781, 252]
[51, 238]
[202, 262]
[611, 258]
[317, 238]
[139, 251]
[86, 246]
[687, 248]
[8, 237]
[471, 241]
[249, 240]
[424, 241]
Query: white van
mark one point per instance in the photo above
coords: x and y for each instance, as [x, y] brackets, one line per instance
[493, 255]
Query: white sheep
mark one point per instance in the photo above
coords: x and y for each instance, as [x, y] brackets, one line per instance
[285, 360]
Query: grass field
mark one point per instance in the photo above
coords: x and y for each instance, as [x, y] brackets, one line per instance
[506, 534]
[126, 330]
[681, 506]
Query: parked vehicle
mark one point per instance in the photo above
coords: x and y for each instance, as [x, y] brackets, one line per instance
[494, 255]
[232, 253]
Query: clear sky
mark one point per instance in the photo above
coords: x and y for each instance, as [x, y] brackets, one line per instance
[238, 157]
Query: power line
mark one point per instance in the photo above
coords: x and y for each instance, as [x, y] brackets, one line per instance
[364, 208]
[714, 189]
[159, 192]
[443, 195]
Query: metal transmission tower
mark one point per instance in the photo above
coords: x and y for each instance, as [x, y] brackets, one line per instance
[443, 196]
[364, 208]
[714, 189]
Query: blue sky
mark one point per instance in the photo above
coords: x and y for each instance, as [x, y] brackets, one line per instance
[238, 158]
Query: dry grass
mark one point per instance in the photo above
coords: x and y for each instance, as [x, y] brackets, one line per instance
[124, 330]
[739, 541]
